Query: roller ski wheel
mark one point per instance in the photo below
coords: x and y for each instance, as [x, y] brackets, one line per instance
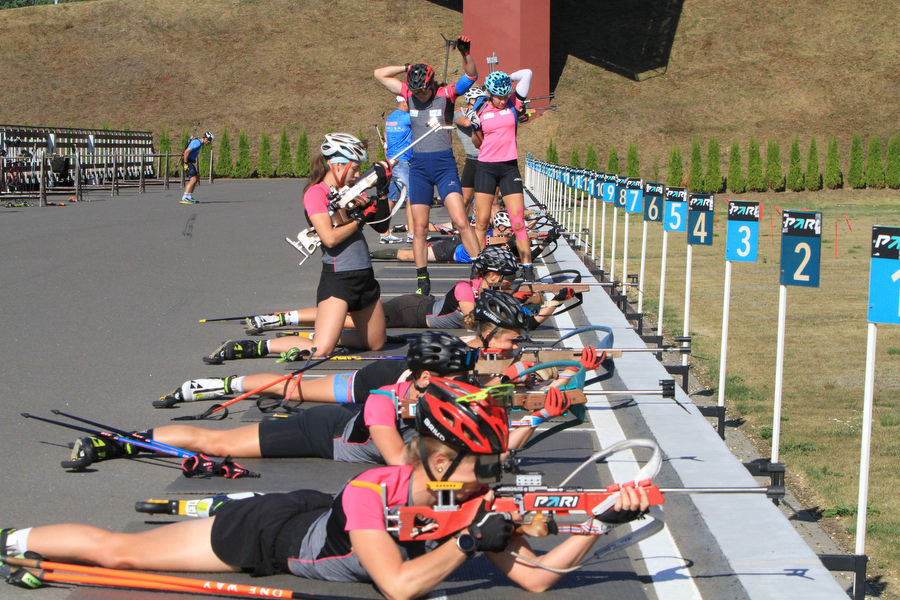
[169, 400]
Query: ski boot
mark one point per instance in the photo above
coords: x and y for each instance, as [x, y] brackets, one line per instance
[197, 389]
[234, 349]
[91, 449]
[256, 325]
[528, 272]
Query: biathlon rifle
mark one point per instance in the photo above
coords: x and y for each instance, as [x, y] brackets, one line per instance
[347, 199]
[545, 510]
[193, 465]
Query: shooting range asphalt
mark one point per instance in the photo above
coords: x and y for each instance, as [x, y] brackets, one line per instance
[100, 307]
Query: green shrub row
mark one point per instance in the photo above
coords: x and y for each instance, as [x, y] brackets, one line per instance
[866, 170]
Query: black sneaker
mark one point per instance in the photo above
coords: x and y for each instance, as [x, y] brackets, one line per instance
[236, 349]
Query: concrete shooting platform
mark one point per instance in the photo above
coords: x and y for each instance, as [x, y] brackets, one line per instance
[100, 307]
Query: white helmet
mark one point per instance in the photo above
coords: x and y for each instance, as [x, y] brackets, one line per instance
[343, 145]
[501, 219]
[208, 135]
[474, 93]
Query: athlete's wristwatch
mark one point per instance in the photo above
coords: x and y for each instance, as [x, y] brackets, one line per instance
[466, 544]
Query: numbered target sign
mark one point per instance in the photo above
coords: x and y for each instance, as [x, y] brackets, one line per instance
[621, 200]
[593, 186]
[675, 213]
[884, 275]
[608, 186]
[634, 195]
[742, 242]
[653, 201]
[801, 248]
[567, 177]
[701, 209]
[579, 181]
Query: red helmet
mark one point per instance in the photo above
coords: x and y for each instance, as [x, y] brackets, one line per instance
[479, 426]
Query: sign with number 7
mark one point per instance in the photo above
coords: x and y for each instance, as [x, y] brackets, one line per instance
[801, 248]
[884, 275]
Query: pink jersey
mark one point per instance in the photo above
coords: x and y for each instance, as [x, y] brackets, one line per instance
[499, 129]
[380, 408]
[361, 499]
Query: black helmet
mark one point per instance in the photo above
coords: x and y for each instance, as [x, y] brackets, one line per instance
[497, 259]
[478, 426]
[501, 309]
[440, 352]
[419, 76]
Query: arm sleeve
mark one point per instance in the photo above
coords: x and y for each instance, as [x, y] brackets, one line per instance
[522, 77]
[462, 85]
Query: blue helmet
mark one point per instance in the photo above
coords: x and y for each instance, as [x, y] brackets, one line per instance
[498, 84]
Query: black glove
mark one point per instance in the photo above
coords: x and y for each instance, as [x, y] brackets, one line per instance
[463, 44]
[617, 517]
[383, 171]
[564, 294]
[358, 214]
[491, 530]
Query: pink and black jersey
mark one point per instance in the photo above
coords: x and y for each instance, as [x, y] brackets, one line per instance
[355, 443]
[499, 129]
[445, 314]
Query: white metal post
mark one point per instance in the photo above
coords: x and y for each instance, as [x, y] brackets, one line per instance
[662, 281]
[641, 272]
[779, 373]
[687, 298]
[723, 352]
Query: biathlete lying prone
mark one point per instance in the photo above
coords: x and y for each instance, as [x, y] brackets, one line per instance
[373, 431]
[350, 537]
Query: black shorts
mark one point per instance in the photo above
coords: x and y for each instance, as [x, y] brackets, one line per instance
[359, 289]
[310, 432]
[408, 310]
[467, 179]
[190, 170]
[445, 250]
[373, 376]
[259, 534]
[505, 174]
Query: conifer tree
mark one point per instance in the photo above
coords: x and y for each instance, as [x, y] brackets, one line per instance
[574, 158]
[243, 168]
[756, 182]
[203, 160]
[264, 158]
[612, 163]
[552, 156]
[591, 162]
[795, 171]
[712, 182]
[695, 169]
[176, 161]
[301, 157]
[892, 163]
[676, 169]
[874, 166]
[224, 166]
[856, 177]
[165, 147]
[736, 181]
[833, 176]
[364, 165]
[813, 178]
[774, 171]
[632, 162]
[285, 166]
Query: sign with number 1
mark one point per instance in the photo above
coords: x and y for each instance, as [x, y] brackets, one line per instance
[801, 247]
[884, 275]
[742, 243]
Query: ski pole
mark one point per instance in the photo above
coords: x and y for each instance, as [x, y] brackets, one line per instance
[223, 406]
[242, 317]
[151, 445]
[122, 432]
[64, 572]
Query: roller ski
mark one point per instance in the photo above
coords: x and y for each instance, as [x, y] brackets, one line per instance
[237, 349]
[199, 508]
[258, 324]
[197, 389]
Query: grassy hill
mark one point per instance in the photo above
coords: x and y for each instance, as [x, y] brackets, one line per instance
[736, 69]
